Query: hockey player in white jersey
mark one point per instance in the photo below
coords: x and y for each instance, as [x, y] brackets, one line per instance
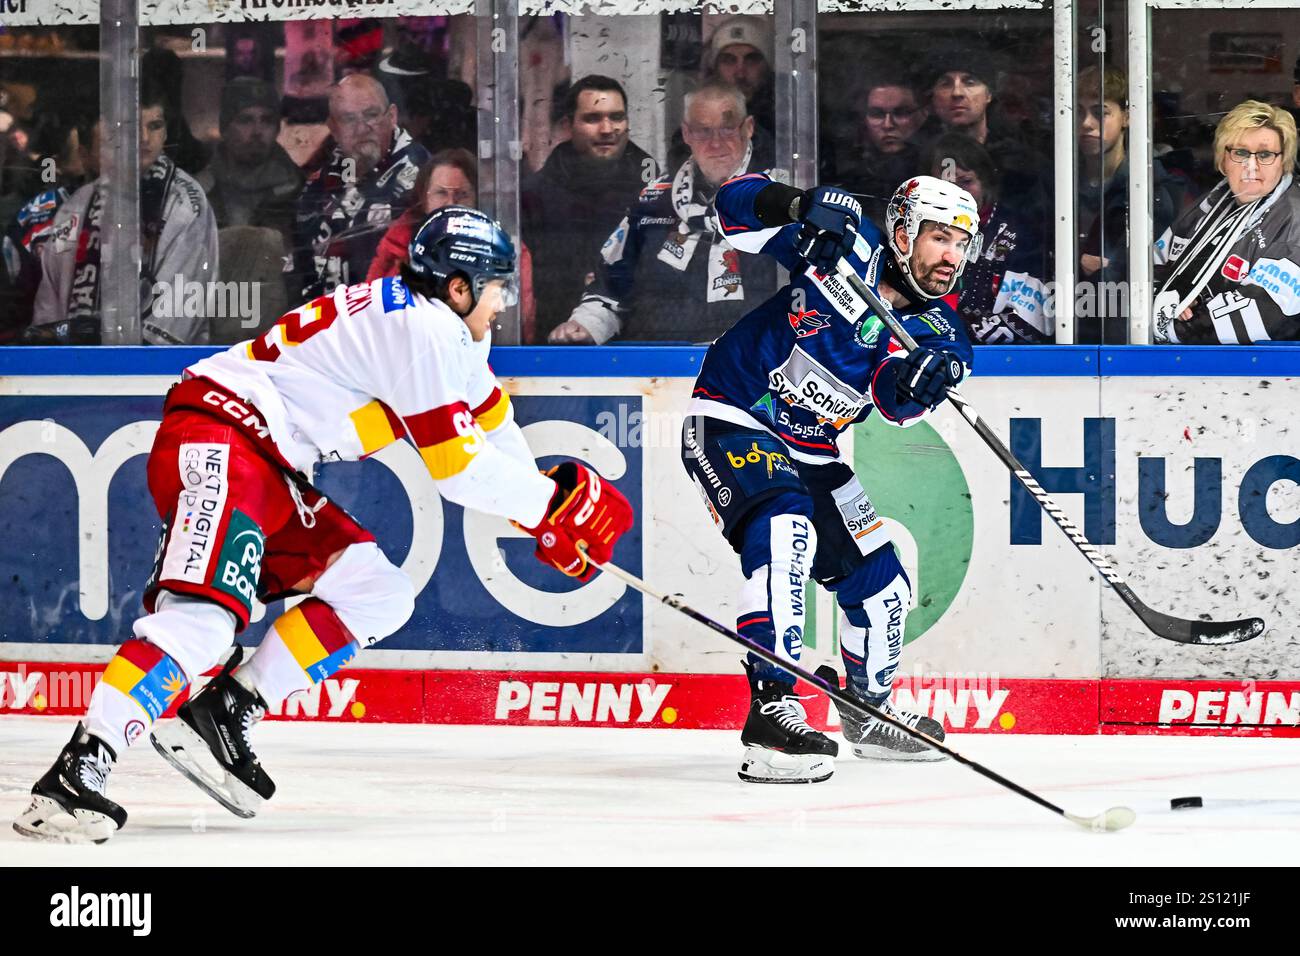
[760, 441]
[336, 380]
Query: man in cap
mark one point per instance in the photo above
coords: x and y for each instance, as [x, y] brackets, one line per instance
[251, 180]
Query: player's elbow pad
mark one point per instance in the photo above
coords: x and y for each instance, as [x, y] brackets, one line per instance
[773, 204]
[884, 386]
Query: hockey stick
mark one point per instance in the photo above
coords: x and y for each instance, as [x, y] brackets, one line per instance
[1180, 630]
[1116, 818]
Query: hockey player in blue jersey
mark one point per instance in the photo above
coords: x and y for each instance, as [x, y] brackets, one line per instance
[760, 440]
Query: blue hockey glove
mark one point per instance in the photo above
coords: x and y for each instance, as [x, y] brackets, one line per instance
[926, 375]
[830, 217]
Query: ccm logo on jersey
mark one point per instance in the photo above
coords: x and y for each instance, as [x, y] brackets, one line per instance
[557, 702]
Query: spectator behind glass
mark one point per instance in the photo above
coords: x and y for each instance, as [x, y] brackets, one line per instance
[1004, 297]
[1294, 109]
[449, 178]
[76, 163]
[892, 123]
[251, 180]
[1228, 271]
[367, 181]
[961, 96]
[666, 275]
[739, 53]
[164, 69]
[1103, 205]
[575, 200]
[178, 234]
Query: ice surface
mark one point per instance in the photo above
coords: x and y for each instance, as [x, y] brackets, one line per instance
[374, 794]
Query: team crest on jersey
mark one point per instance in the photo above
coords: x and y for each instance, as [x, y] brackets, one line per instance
[807, 323]
[1235, 268]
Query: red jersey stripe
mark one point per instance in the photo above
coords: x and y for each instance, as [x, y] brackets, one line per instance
[436, 425]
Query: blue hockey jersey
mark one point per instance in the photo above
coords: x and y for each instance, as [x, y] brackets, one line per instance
[812, 360]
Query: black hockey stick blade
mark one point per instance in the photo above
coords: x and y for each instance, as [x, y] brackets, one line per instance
[1204, 633]
[1179, 630]
[1116, 818]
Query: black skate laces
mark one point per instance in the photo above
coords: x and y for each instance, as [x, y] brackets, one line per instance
[789, 713]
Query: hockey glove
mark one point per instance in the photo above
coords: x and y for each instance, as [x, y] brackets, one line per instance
[830, 217]
[926, 375]
[585, 513]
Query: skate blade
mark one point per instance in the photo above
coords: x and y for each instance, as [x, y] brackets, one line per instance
[47, 819]
[772, 766]
[180, 746]
[868, 752]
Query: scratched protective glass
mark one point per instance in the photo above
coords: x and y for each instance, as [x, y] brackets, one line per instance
[1265, 157]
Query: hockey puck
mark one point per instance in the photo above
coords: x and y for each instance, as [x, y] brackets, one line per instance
[1184, 803]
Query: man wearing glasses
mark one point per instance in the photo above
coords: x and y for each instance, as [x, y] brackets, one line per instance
[666, 273]
[893, 126]
[1228, 271]
[366, 182]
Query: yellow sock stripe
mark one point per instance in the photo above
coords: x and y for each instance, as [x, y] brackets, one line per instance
[122, 675]
[301, 640]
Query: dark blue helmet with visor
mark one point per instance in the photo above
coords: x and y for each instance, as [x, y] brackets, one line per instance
[459, 240]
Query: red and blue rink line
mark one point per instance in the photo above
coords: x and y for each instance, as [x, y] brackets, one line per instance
[974, 704]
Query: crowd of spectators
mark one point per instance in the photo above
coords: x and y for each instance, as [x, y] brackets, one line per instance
[322, 178]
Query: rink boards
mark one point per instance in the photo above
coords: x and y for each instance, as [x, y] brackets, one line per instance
[990, 705]
[1179, 464]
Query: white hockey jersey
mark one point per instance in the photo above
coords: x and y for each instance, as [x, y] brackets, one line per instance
[353, 371]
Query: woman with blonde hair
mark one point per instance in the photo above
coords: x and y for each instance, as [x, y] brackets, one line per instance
[1228, 271]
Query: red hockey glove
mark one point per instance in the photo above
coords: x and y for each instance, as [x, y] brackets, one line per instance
[585, 511]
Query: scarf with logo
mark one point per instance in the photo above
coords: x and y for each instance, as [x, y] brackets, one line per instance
[724, 280]
[1208, 247]
[83, 321]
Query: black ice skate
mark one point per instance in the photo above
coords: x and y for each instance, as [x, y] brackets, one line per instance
[68, 803]
[780, 747]
[208, 742]
[873, 739]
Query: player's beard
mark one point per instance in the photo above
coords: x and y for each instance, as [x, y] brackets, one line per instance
[932, 283]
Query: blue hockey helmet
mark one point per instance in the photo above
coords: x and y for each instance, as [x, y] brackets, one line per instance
[460, 240]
